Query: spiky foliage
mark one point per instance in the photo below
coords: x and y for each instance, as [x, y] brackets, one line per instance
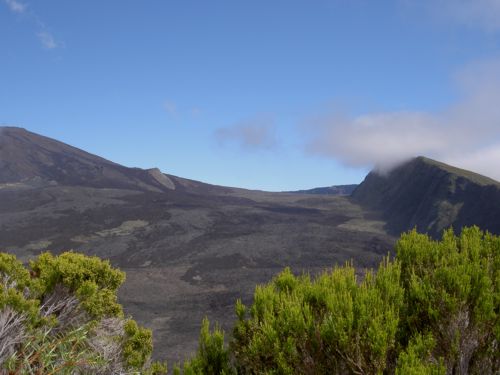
[212, 357]
[61, 316]
[452, 291]
[333, 324]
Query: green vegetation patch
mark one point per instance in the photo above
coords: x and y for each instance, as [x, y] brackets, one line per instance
[61, 316]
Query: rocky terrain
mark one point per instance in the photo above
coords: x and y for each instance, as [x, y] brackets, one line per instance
[191, 249]
[333, 190]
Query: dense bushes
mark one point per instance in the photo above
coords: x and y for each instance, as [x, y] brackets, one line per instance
[330, 325]
[60, 316]
[434, 309]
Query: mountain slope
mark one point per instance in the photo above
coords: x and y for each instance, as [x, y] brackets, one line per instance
[431, 196]
[37, 160]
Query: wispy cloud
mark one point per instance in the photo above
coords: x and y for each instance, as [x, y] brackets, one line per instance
[180, 112]
[195, 111]
[466, 134]
[47, 40]
[253, 134]
[482, 14]
[170, 107]
[16, 6]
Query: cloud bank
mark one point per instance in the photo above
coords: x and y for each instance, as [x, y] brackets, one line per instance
[254, 134]
[466, 134]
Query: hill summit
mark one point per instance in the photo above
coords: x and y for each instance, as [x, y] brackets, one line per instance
[431, 196]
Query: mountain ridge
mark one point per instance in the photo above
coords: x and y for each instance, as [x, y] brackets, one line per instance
[329, 190]
[431, 196]
[30, 157]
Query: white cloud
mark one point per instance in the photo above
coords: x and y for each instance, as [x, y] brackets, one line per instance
[47, 40]
[254, 134]
[485, 161]
[16, 6]
[466, 134]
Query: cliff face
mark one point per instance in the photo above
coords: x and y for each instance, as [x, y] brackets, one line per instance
[431, 196]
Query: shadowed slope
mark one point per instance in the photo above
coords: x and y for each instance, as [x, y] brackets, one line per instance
[431, 196]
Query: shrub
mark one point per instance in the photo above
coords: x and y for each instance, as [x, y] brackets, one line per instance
[452, 291]
[333, 324]
[212, 357]
[61, 316]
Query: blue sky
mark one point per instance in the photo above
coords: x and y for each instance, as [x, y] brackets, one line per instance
[273, 95]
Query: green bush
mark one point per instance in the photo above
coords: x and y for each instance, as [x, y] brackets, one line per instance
[137, 347]
[417, 358]
[61, 316]
[333, 324]
[91, 279]
[212, 357]
[452, 291]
